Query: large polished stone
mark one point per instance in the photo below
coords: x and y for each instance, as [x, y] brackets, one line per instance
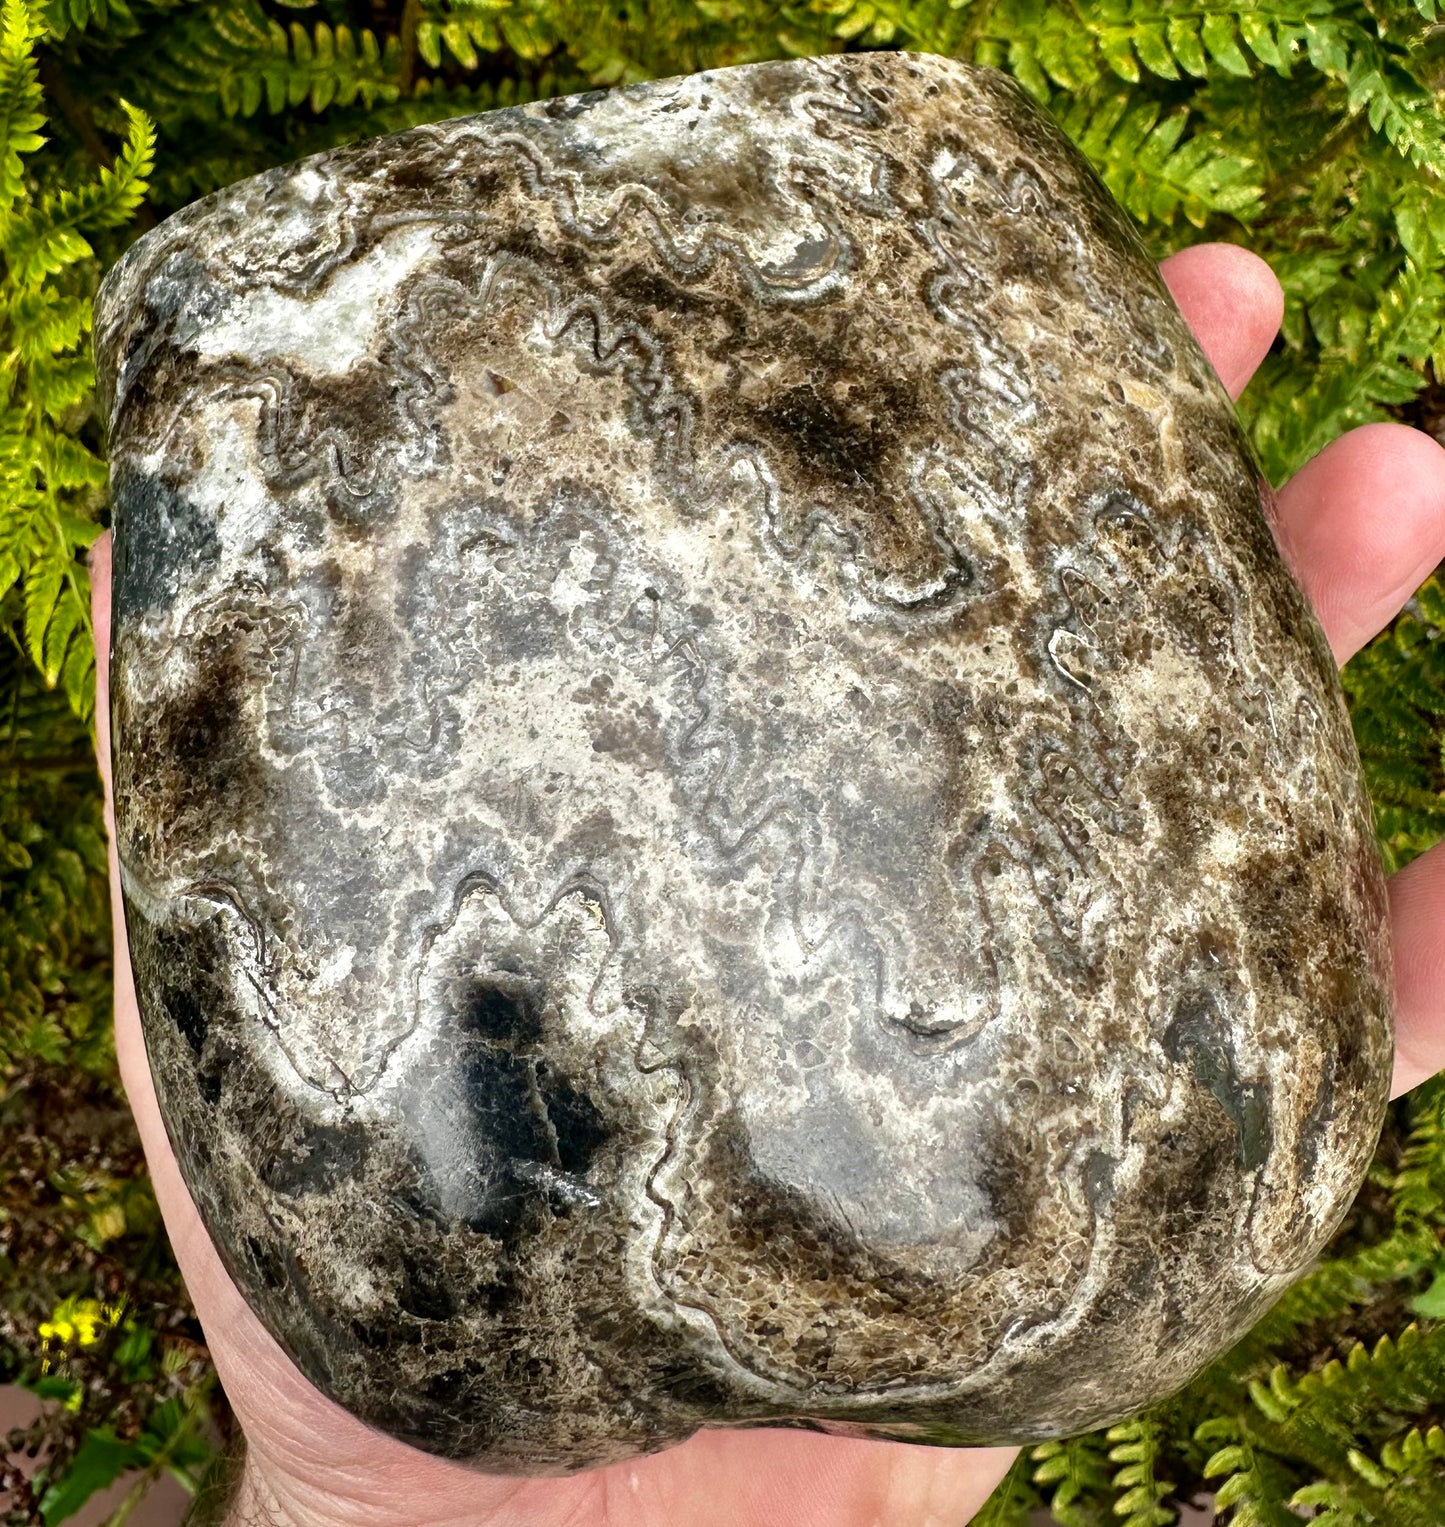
[728, 814]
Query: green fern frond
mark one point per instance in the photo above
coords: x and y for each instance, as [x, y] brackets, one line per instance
[1330, 1504]
[62, 17]
[49, 236]
[1073, 48]
[51, 482]
[868, 25]
[464, 29]
[41, 322]
[1138, 153]
[1415, 1451]
[39, 547]
[1043, 46]
[1198, 40]
[1404, 1480]
[1070, 47]
[1396, 689]
[1396, 104]
[21, 117]
[324, 65]
[1254, 1489]
[1136, 1447]
[42, 587]
[58, 385]
[1374, 353]
[235, 54]
[1322, 1414]
[1075, 1477]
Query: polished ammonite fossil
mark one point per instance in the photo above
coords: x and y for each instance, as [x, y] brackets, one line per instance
[727, 812]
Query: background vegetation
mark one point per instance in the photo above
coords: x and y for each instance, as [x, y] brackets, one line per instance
[1310, 129]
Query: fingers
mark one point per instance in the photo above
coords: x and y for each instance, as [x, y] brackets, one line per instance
[760, 1478]
[1417, 928]
[1233, 303]
[1362, 525]
[135, 1072]
[1364, 522]
[100, 617]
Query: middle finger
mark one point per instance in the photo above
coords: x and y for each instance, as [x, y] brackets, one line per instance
[1362, 524]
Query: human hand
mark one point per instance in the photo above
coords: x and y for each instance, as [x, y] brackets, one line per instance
[1361, 525]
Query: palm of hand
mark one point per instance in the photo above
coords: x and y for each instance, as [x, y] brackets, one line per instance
[1361, 525]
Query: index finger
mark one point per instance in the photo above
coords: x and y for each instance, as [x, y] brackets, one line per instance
[1232, 301]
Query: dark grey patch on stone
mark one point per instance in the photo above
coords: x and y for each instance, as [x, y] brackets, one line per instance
[321, 1158]
[162, 539]
[1200, 1038]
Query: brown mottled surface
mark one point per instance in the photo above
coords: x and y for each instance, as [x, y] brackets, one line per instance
[727, 812]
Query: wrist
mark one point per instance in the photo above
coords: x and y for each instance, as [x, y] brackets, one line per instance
[255, 1504]
[220, 1485]
[234, 1492]
[239, 1491]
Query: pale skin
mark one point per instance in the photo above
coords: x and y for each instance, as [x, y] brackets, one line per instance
[1362, 525]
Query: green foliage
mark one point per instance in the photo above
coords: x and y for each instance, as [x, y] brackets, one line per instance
[54, 950]
[1138, 1448]
[51, 482]
[1396, 687]
[1075, 1476]
[1311, 130]
[248, 62]
[1136, 147]
[169, 1441]
[101, 1460]
[1016, 1501]
[93, 1317]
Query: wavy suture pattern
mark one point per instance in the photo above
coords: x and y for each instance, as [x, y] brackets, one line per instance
[705, 706]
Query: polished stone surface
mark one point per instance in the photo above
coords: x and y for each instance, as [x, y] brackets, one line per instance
[727, 812]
